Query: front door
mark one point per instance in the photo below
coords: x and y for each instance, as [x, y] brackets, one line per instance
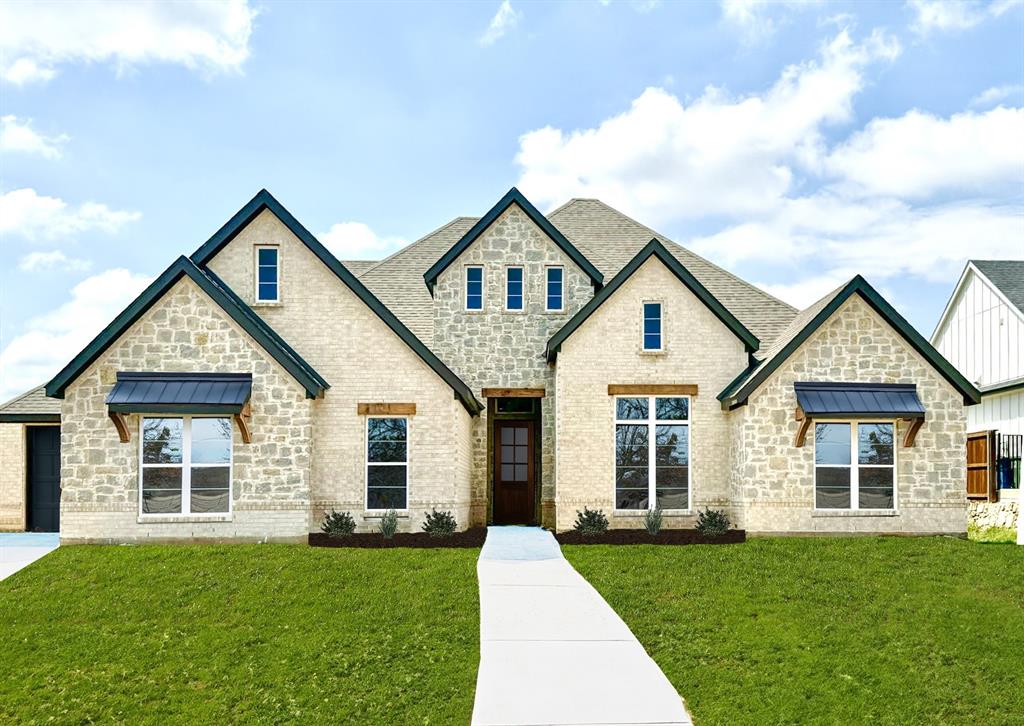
[513, 473]
[43, 478]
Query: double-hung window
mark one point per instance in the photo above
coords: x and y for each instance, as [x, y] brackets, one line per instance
[268, 278]
[854, 465]
[474, 288]
[652, 453]
[387, 463]
[652, 326]
[554, 302]
[186, 465]
[513, 288]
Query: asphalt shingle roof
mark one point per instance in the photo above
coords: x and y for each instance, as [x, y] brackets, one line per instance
[33, 401]
[1007, 275]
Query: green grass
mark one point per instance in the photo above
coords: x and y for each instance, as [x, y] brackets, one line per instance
[240, 634]
[992, 535]
[827, 631]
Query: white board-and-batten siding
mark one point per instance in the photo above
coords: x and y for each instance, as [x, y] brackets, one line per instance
[1002, 412]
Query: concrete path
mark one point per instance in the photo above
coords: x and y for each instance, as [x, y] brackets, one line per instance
[18, 549]
[552, 651]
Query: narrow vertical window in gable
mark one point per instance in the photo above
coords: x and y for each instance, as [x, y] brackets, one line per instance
[514, 299]
[555, 302]
[652, 326]
[268, 277]
[474, 288]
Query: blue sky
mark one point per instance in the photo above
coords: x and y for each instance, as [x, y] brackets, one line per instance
[795, 143]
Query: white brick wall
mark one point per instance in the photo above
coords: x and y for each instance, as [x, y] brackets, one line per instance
[12, 477]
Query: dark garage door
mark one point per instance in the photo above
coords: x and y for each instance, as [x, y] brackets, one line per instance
[43, 478]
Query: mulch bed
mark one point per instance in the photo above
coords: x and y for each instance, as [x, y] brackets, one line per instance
[470, 538]
[640, 536]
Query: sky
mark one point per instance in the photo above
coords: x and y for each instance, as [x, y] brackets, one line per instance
[795, 143]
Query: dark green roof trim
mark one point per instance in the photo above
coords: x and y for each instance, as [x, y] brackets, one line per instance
[513, 196]
[654, 248]
[238, 311]
[859, 286]
[264, 200]
[30, 418]
[998, 387]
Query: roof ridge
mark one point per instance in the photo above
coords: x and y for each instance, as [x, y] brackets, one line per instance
[20, 396]
[666, 239]
[414, 243]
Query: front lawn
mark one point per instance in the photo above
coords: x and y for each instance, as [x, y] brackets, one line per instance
[240, 633]
[834, 631]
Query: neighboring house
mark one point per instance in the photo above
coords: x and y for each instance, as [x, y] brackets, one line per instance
[30, 462]
[981, 332]
[513, 368]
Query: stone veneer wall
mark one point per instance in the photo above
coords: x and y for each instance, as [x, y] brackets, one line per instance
[773, 481]
[185, 331]
[606, 349]
[12, 477]
[364, 361]
[1003, 513]
[496, 348]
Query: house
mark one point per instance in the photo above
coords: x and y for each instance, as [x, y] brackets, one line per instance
[511, 368]
[981, 332]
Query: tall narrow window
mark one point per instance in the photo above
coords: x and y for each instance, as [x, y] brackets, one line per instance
[186, 465]
[387, 463]
[652, 453]
[554, 290]
[854, 466]
[474, 288]
[267, 274]
[513, 288]
[652, 326]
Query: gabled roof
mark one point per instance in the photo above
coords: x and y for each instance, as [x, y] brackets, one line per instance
[513, 196]
[32, 406]
[1007, 276]
[264, 200]
[654, 248]
[809, 320]
[249, 321]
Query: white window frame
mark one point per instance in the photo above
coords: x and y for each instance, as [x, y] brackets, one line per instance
[465, 288]
[855, 465]
[256, 274]
[652, 475]
[367, 463]
[523, 283]
[186, 468]
[547, 295]
[661, 326]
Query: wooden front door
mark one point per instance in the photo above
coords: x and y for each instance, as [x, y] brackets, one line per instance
[513, 473]
[43, 478]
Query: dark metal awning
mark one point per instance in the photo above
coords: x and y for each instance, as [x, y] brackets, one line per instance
[858, 400]
[180, 393]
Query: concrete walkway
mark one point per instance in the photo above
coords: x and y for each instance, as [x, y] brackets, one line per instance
[552, 651]
[18, 549]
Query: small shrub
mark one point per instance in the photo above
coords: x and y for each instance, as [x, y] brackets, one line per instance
[439, 524]
[712, 523]
[389, 524]
[590, 522]
[652, 521]
[338, 524]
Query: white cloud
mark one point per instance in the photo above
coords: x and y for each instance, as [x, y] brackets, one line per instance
[52, 339]
[55, 260]
[758, 20]
[31, 215]
[356, 241]
[661, 160]
[950, 15]
[996, 94]
[35, 38]
[918, 155]
[18, 135]
[503, 21]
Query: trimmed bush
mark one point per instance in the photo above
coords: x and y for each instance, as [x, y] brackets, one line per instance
[439, 524]
[338, 524]
[712, 523]
[590, 522]
[652, 521]
[389, 524]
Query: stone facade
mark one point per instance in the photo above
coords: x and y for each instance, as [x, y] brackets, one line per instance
[1003, 513]
[496, 348]
[365, 362]
[698, 349]
[185, 331]
[773, 481]
[12, 477]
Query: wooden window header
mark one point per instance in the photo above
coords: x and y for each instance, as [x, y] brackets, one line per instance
[652, 389]
[386, 409]
[512, 392]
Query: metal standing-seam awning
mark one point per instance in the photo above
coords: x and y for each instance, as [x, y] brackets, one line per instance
[858, 400]
[181, 393]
